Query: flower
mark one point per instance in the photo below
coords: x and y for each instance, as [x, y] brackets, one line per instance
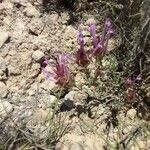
[108, 28]
[131, 95]
[100, 42]
[60, 74]
[81, 55]
[92, 30]
[128, 82]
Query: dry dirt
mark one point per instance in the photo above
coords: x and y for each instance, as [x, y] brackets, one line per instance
[27, 34]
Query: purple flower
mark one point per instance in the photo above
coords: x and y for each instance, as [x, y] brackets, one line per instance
[92, 30]
[138, 78]
[108, 28]
[100, 42]
[81, 55]
[60, 73]
[46, 61]
[128, 82]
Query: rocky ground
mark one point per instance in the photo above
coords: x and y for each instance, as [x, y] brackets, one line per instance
[27, 100]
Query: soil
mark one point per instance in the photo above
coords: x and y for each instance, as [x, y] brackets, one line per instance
[31, 30]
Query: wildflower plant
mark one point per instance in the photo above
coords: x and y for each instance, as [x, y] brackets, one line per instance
[60, 73]
[81, 56]
[129, 84]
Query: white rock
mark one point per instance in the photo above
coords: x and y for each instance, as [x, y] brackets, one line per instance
[76, 96]
[5, 108]
[49, 85]
[76, 146]
[80, 79]
[3, 38]
[37, 55]
[13, 70]
[3, 90]
[31, 11]
[3, 65]
[36, 26]
[70, 95]
[131, 113]
[52, 100]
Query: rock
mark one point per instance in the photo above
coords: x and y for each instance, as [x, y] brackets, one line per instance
[5, 108]
[70, 95]
[31, 11]
[3, 90]
[67, 105]
[3, 38]
[70, 33]
[52, 100]
[76, 146]
[76, 96]
[36, 26]
[112, 43]
[3, 65]
[13, 70]
[37, 55]
[131, 113]
[80, 79]
[49, 101]
[49, 86]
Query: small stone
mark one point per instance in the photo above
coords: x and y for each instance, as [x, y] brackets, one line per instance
[3, 65]
[13, 70]
[148, 95]
[111, 44]
[36, 26]
[69, 103]
[76, 146]
[3, 38]
[3, 90]
[79, 79]
[70, 95]
[49, 86]
[76, 96]
[131, 113]
[5, 108]
[47, 101]
[37, 55]
[52, 100]
[31, 11]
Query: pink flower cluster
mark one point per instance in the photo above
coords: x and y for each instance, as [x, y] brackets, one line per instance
[61, 73]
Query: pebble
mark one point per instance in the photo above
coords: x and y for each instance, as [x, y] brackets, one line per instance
[76, 146]
[131, 113]
[3, 65]
[76, 96]
[5, 108]
[31, 11]
[13, 70]
[3, 38]
[3, 90]
[37, 55]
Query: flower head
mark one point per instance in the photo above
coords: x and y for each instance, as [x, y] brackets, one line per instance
[100, 42]
[108, 28]
[92, 30]
[81, 55]
[60, 74]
